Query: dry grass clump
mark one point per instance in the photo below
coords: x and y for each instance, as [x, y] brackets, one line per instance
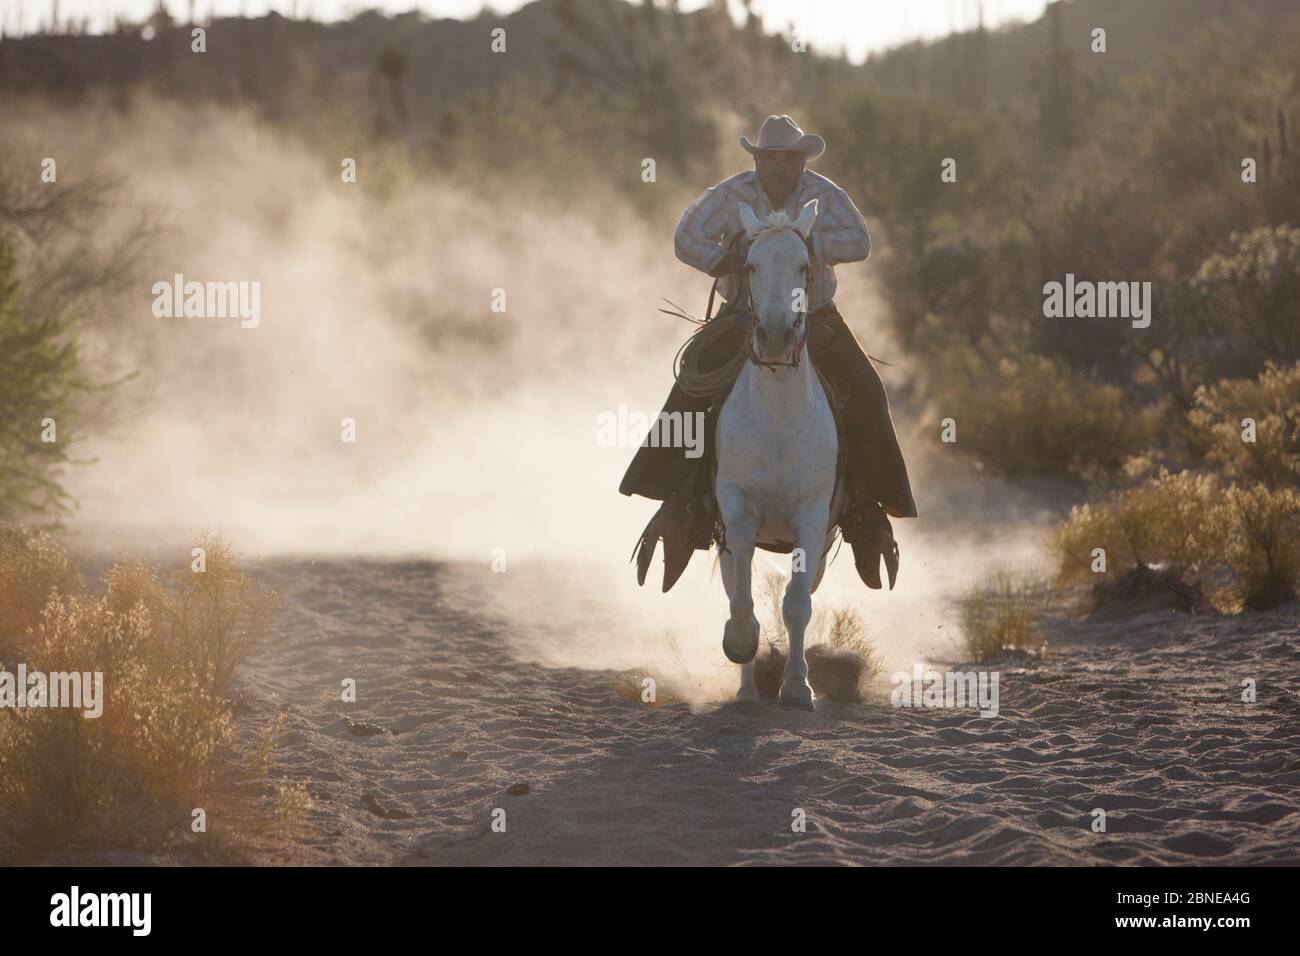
[631, 684]
[167, 645]
[1004, 614]
[841, 655]
[292, 803]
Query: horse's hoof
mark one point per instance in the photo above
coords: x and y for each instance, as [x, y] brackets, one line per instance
[747, 695]
[740, 644]
[796, 695]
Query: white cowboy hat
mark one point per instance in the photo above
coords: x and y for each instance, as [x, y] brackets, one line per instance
[781, 132]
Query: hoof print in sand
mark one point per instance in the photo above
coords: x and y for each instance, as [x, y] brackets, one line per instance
[518, 789]
[381, 809]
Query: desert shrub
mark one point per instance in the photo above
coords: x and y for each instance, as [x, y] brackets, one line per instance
[1003, 613]
[1158, 523]
[1102, 180]
[167, 646]
[1251, 292]
[206, 623]
[1255, 531]
[1273, 402]
[1190, 526]
[1034, 415]
[32, 567]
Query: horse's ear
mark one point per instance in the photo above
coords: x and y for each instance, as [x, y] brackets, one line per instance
[803, 225]
[748, 220]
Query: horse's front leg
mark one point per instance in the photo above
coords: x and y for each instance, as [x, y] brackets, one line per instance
[748, 687]
[740, 633]
[809, 538]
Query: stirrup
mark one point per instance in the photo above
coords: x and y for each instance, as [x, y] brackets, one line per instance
[870, 535]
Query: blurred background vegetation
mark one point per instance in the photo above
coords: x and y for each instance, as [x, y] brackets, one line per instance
[1116, 166]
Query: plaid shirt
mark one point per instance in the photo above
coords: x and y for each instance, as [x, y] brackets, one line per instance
[839, 233]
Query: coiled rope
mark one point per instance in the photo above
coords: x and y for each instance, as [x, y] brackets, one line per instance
[696, 381]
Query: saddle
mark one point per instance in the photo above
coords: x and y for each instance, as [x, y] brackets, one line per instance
[689, 521]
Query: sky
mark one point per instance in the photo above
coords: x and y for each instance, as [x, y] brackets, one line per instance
[861, 26]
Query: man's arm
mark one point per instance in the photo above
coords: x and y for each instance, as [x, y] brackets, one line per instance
[841, 233]
[702, 230]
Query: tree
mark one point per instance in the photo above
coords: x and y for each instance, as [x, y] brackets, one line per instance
[40, 374]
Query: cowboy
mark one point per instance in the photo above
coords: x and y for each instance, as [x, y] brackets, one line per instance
[711, 239]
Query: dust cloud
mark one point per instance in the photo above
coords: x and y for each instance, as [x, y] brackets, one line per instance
[475, 430]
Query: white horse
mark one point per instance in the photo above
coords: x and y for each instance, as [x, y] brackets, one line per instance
[777, 449]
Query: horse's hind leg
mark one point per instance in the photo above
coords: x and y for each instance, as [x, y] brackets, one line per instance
[740, 633]
[821, 566]
[748, 686]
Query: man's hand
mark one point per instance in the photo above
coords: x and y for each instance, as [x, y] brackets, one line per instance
[729, 264]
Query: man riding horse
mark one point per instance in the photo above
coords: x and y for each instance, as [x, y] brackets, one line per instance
[710, 238]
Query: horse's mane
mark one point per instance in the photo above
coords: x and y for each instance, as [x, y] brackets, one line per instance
[776, 222]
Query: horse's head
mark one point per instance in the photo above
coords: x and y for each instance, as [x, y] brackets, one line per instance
[778, 273]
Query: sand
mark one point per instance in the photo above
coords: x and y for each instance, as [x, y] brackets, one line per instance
[456, 718]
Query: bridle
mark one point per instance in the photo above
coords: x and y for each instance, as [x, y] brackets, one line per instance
[745, 318]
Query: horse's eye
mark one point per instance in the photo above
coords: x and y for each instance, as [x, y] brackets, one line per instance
[798, 321]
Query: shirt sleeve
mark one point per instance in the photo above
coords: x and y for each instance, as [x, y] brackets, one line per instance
[702, 230]
[841, 232]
